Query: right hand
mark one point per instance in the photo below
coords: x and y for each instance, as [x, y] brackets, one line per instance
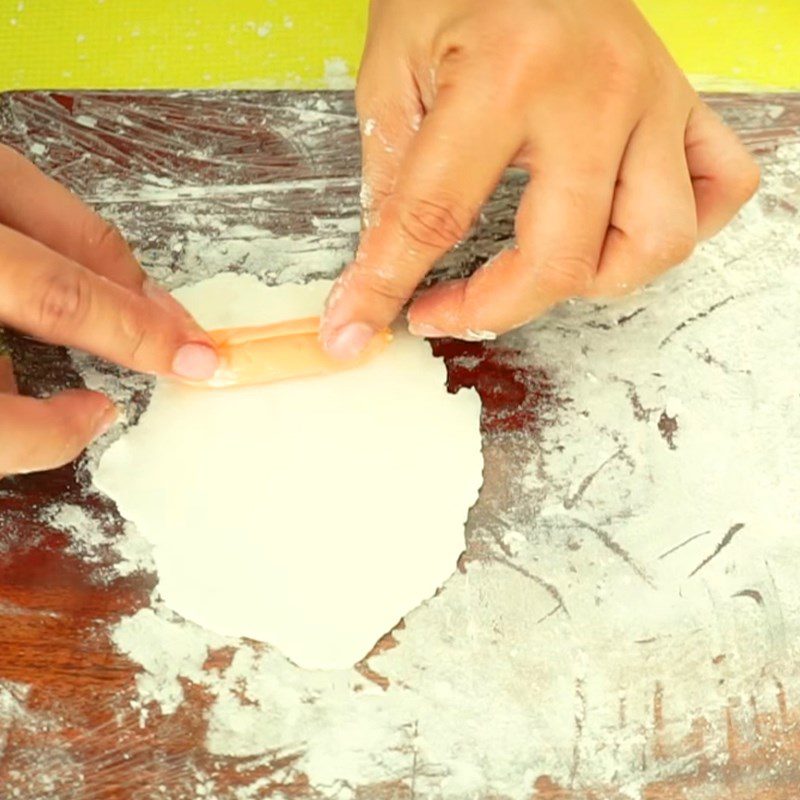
[628, 167]
[69, 278]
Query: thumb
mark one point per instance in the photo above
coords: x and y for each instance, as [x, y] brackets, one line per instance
[39, 434]
[449, 169]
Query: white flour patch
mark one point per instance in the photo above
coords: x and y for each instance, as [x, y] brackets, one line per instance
[337, 74]
[167, 648]
[128, 552]
[86, 121]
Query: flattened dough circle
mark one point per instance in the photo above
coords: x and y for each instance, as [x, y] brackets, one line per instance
[310, 514]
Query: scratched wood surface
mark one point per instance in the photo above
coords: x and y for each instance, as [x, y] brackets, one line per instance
[287, 165]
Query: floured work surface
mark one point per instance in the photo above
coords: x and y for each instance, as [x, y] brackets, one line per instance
[624, 622]
[276, 511]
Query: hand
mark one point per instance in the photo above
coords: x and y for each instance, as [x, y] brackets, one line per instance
[628, 167]
[68, 277]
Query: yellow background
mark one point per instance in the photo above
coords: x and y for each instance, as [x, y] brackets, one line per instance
[313, 43]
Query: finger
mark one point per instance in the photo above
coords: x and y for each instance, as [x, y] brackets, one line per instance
[561, 224]
[48, 212]
[59, 301]
[451, 166]
[653, 221]
[390, 114]
[724, 175]
[42, 434]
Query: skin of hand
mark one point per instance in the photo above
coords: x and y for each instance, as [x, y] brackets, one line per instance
[628, 168]
[69, 278]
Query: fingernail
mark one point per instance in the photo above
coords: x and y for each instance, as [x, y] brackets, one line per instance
[107, 417]
[197, 362]
[423, 329]
[348, 342]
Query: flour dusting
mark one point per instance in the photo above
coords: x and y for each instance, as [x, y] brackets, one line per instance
[525, 658]
[627, 605]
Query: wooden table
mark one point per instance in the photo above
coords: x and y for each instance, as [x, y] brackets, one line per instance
[537, 648]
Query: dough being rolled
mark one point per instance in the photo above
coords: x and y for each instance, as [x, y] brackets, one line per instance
[280, 351]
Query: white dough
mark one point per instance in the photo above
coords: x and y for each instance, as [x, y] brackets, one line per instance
[310, 514]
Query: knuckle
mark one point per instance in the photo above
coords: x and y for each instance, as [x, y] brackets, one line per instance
[747, 180]
[63, 303]
[70, 440]
[388, 287]
[668, 247]
[533, 58]
[434, 224]
[107, 239]
[625, 69]
[136, 334]
[567, 275]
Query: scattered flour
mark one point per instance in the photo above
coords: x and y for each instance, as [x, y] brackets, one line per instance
[338, 74]
[609, 571]
[129, 551]
[167, 649]
[545, 658]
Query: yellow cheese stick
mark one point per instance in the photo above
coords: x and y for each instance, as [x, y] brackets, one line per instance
[277, 352]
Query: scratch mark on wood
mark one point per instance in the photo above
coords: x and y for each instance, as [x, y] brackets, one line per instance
[571, 502]
[753, 594]
[580, 723]
[414, 761]
[658, 722]
[628, 317]
[548, 587]
[782, 705]
[702, 315]
[682, 544]
[640, 412]
[726, 540]
[707, 357]
[756, 719]
[778, 630]
[497, 535]
[617, 549]
[549, 614]
[731, 737]
[668, 427]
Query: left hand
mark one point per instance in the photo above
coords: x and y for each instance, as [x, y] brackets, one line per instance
[68, 277]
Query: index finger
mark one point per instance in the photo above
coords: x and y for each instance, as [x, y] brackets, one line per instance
[55, 299]
[450, 168]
